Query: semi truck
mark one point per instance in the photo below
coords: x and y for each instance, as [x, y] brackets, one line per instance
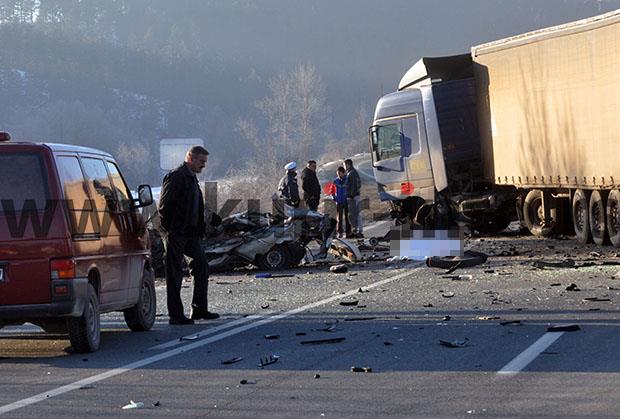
[525, 128]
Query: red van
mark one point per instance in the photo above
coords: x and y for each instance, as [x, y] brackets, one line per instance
[72, 242]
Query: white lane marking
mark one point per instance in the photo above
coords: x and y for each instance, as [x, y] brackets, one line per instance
[524, 358]
[173, 352]
[210, 331]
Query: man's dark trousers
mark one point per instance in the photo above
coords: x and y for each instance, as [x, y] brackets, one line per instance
[176, 247]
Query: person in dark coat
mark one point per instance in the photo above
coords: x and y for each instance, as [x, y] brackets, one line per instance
[181, 210]
[340, 196]
[311, 186]
[354, 200]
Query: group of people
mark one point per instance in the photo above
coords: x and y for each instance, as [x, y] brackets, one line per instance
[181, 210]
[345, 191]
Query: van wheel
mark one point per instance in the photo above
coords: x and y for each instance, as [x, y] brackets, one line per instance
[141, 317]
[580, 216]
[613, 217]
[277, 258]
[85, 331]
[596, 214]
[533, 214]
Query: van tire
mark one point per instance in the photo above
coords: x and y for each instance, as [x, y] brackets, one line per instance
[141, 317]
[580, 216]
[596, 217]
[85, 331]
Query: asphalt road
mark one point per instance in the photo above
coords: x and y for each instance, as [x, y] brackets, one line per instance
[402, 312]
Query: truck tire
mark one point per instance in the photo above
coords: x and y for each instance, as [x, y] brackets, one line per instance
[85, 331]
[533, 214]
[613, 217]
[580, 215]
[277, 258]
[141, 317]
[596, 216]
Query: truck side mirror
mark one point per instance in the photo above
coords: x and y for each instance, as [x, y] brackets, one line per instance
[145, 196]
[374, 143]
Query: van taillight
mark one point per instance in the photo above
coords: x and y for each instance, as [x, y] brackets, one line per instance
[62, 268]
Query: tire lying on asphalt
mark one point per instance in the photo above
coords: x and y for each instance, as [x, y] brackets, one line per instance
[85, 331]
[141, 317]
[470, 258]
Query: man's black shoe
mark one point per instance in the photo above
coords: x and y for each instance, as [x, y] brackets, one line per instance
[180, 321]
[205, 315]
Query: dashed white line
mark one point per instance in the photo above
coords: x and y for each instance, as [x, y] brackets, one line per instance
[186, 348]
[526, 357]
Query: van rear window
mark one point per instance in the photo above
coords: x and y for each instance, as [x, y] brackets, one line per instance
[23, 178]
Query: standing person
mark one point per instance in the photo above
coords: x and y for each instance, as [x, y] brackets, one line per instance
[311, 186]
[181, 209]
[288, 189]
[354, 200]
[341, 203]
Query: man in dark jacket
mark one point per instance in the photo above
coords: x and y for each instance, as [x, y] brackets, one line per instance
[340, 196]
[287, 188]
[311, 186]
[181, 209]
[354, 200]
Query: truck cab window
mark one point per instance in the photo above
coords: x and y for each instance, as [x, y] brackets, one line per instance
[388, 141]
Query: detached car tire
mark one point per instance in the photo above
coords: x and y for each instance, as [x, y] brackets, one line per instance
[277, 258]
[85, 331]
[141, 317]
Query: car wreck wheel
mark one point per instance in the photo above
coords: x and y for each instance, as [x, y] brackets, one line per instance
[278, 257]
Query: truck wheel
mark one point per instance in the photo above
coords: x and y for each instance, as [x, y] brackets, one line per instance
[580, 216]
[85, 331]
[613, 217]
[141, 317]
[275, 259]
[596, 216]
[533, 214]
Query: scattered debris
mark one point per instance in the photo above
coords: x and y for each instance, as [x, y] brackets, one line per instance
[388, 343]
[447, 294]
[457, 343]
[268, 360]
[454, 268]
[322, 341]
[317, 376]
[567, 328]
[133, 405]
[232, 360]
[157, 404]
[264, 306]
[270, 275]
[595, 299]
[595, 255]
[358, 319]
[361, 369]
[244, 382]
[87, 387]
[428, 305]
[349, 303]
[228, 282]
[362, 290]
[330, 327]
[458, 277]
[300, 334]
[542, 264]
[272, 337]
[573, 287]
[446, 318]
[555, 284]
[188, 337]
[488, 317]
[511, 323]
[339, 269]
